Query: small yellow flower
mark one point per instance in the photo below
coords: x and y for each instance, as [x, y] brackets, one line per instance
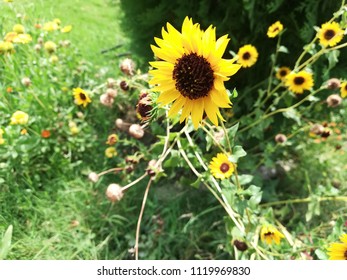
[66, 29]
[10, 36]
[54, 59]
[18, 28]
[330, 34]
[282, 73]
[81, 97]
[22, 39]
[19, 117]
[50, 46]
[73, 128]
[221, 167]
[338, 251]
[343, 90]
[23, 132]
[57, 21]
[247, 56]
[274, 29]
[112, 139]
[6, 48]
[110, 152]
[298, 82]
[1, 132]
[50, 26]
[270, 234]
[8, 1]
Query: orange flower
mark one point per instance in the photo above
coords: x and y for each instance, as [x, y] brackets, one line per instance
[9, 89]
[45, 133]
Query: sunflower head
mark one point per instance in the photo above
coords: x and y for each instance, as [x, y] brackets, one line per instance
[81, 97]
[338, 251]
[270, 234]
[221, 167]
[343, 90]
[330, 34]
[191, 72]
[274, 29]
[247, 56]
[282, 73]
[298, 82]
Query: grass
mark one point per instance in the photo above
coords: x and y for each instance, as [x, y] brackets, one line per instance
[95, 23]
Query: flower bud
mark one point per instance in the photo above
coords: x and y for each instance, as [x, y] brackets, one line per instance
[50, 47]
[119, 123]
[92, 176]
[136, 131]
[26, 82]
[333, 83]
[127, 66]
[114, 192]
[280, 138]
[334, 100]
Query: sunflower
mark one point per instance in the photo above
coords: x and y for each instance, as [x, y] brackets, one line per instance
[343, 90]
[247, 56]
[298, 82]
[282, 73]
[191, 72]
[221, 167]
[269, 234]
[274, 29]
[338, 251]
[81, 97]
[330, 34]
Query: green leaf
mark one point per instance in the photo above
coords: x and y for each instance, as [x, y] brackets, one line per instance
[6, 243]
[293, 114]
[313, 209]
[283, 49]
[321, 254]
[231, 134]
[238, 152]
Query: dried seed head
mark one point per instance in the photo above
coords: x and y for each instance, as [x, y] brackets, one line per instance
[111, 83]
[124, 85]
[240, 245]
[106, 100]
[334, 100]
[152, 169]
[26, 82]
[114, 192]
[92, 176]
[333, 83]
[37, 47]
[280, 138]
[317, 129]
[111, 92]
[127, 66]
[144, 107]
[136, 131]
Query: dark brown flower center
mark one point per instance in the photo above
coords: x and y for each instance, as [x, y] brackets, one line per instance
[224, 167]
[299, 80]
[345, 255]
[246, 56]
[283, 73]
[329, 34]
[275, 29]
[268, 233]
[83, 96]
[193, 75]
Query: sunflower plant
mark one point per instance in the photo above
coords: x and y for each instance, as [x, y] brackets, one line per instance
[204, 128]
